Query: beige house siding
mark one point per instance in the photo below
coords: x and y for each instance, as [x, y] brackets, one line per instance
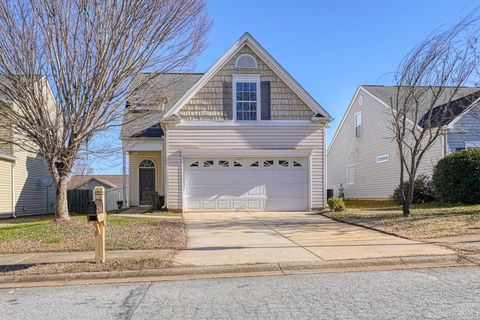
[31, 197]
[309, 137]
[5, 188]
[134, 160]
[373, 180]
[214, 100]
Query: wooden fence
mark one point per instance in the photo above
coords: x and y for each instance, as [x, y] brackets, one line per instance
[78, 200]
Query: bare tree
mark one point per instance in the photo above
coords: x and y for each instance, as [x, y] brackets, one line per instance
[88, 52]
[428, 79]
[82, 167]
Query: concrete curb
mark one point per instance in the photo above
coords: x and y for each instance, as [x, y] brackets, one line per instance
[199, 272]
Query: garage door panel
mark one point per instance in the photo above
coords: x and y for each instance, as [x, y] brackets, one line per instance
[221, 186]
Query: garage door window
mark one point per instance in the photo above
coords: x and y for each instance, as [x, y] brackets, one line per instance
[268, 163]
[208, 163]
[223, 163]
[297, 164]
[255, 164]
[283, 163]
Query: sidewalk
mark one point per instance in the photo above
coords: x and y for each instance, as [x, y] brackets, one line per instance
[66, 257]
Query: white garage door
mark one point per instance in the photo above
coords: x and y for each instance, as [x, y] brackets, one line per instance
[266, 184]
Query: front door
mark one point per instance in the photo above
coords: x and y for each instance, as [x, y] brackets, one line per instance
[146, 183]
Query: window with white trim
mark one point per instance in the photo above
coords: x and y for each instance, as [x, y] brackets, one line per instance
[246, 100]
[357, 118]
[350, 174]
[383, 158]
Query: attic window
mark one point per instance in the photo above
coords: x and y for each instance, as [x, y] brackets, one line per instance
[246, 61]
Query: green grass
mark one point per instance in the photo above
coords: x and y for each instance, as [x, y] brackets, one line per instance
[41, 234]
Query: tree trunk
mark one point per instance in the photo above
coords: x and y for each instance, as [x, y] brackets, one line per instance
[61, 208]
[408, 201]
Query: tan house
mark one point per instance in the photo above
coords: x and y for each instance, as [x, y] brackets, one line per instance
[26, 186]
[244, 136]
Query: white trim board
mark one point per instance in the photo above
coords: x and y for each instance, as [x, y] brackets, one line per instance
[268, 59]
[253, 123]
[250, 153]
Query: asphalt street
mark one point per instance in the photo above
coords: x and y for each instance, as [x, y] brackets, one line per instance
[449, 293]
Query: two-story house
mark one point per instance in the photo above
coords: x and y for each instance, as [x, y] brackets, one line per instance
[243, 136]
[26, 186]
[363, 157]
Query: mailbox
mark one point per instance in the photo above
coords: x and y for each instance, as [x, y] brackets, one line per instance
[94, 211]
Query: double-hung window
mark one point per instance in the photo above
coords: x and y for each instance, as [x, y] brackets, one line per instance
[358, 124]
[246, 99]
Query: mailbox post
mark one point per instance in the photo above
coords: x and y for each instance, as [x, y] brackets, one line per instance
[96, 214]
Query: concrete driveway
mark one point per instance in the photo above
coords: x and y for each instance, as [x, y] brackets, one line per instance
[278, 237]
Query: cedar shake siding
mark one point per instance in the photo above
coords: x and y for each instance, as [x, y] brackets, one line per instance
[214, 100]
[372, 180]
[134, 160]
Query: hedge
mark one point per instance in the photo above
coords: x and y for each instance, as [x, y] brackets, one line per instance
[456, 178]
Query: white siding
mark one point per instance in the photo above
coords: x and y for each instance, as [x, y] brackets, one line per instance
[5, 188]
[244, 138]
[372, 179]
[466, 129]
[31, 197]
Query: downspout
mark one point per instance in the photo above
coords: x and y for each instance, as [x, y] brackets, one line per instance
[445, 142]
[124, 176]
[13, 190]
[164, 165]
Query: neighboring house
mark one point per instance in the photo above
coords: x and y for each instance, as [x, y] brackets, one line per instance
[242, 136]
[91, 181]
[363, 156]
[26, 186]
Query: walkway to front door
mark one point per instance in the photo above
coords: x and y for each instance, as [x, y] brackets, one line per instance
[276, 237]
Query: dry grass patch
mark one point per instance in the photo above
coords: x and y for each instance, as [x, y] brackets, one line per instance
[76, 267]
[41, 234]
[426, 221]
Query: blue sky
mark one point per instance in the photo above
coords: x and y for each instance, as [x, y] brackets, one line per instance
[329, 47]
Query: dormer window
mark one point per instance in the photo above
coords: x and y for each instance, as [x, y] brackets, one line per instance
[246, 93]
[245, 61]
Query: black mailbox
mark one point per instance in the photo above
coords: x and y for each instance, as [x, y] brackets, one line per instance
[94, 208]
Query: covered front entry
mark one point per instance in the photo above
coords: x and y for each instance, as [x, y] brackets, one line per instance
[146, 180]
[250, 184]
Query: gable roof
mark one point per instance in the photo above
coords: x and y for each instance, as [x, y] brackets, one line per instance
[154, 93]
[247, 39]
[384, 94]
[111, 181]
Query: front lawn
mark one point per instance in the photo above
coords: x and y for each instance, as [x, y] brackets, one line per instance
[426, 221]
[76, 267]
[41, 234]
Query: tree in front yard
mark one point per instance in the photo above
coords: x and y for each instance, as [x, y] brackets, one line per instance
[88, 51]
[428, 79]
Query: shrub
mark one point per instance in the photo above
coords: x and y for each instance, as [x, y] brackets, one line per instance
[456, 177]
[336, 204]
[155, 200]
[422, 190]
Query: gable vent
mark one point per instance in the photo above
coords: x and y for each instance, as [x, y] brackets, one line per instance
[246, 61]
